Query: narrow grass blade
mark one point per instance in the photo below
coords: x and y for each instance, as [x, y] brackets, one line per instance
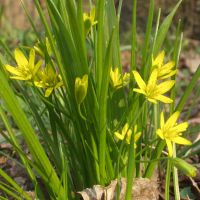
[188, 90]
[134, 36]
[162, 32]
[30, 137]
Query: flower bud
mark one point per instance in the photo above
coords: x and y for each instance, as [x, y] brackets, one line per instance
[186, 168]
[81, 86]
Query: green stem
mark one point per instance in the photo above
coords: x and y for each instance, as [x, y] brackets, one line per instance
[131, 160]
[156, 155]
[167, 181]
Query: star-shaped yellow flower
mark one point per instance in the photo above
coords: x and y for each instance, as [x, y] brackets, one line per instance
[48, 79]
[126, 134]
[89, 20]
[164, 70]
[171, 132]
[25, 69]
[116, 79]
[152, 90]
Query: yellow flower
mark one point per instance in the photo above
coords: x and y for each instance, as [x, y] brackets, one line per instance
[89, 20]
[170, 131]
[81, 86]
[164, 70]
[126, 133]
[48, 79]
[116, 79]
[152, 90]
[25, 69]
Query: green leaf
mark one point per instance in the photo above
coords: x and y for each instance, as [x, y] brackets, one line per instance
[37, 151]
[162, 32]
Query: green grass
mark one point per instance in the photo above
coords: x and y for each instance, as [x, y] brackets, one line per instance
[74, 143]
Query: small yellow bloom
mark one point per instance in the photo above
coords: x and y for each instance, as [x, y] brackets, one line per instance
[89, 20]
[25, 69]
[81, 85]
[152, 90]
[126, 133]
[164, 70]
[171, 132]
[48, 79]
[116, 79]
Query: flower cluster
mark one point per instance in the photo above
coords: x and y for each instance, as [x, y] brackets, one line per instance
[117, 80]
[45, 77]
[126, 134]
[153, 90]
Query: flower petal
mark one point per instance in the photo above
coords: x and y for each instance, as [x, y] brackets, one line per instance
[160, 134]
[162, 119]
[153, 77]
[172, 120]
[139, 91]
[152, 100]
[32, 58]
[19, 78]
[37, 66]
[170, 147]
[48, 91]
[119, 136]
[168, 65]
[181, 140]
[165, 86]
[13, 70]
[163, 99]
[172, 73]
[180, 127]
[139, 80]
[20, 58]
[159, 59]
[137, 136]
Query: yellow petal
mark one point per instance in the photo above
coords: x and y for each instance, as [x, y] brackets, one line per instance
[159, 59]
[153, 77]
[165, 86]
[137, 136]
[125, 129]
[37, 66]
[20, 58]
[162, 119]
[139, 80]
[139, 91]
[180, 127]
[48, 91]
[164, 99]
[168, 66]
[119, 136]
[21, 78]
[152, 100]
[172, 73]
[160, 134]
[59, 84]
[170, 147]
[39, 84]
[172, 120]
[181, 140]
[13, 70]
[32, 58]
